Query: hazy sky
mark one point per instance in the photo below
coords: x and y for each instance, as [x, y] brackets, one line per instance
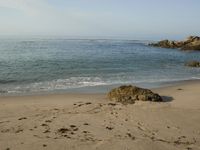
[103, 18]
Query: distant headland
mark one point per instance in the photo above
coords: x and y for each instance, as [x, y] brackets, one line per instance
[191, 43]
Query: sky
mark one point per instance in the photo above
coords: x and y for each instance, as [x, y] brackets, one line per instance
[136, 19]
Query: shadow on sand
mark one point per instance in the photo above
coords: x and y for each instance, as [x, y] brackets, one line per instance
[167, 98]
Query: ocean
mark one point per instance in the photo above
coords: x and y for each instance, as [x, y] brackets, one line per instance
[36, 65]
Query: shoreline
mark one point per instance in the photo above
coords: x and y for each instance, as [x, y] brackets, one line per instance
[102, 89]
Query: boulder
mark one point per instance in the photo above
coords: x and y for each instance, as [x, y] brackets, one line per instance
[192, 38]
[191, 43]
[194, 45]
[193, 64]
[166, 44]
[128, 94]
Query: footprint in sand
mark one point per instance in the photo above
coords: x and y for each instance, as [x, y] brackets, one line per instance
[112, 104]
[44, 145]
[47, 131]
[86, 124]
[44, 125]
[79, 104]
[19, 130]
[182, 140]
[109, 128]
[48, 121]
[22, 118]
[66, 131]
[47, 128]
[130, 136]
[5, 130]
[86, 132]
[87, 136]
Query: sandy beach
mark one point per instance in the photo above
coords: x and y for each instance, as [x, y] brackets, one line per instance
[91, 121]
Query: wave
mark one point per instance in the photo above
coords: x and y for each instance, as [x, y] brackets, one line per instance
[78, 82]
[196, 78]
[59, 84]
[7, 81]
[70, 83]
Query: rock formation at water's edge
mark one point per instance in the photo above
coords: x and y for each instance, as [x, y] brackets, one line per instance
[191, 43]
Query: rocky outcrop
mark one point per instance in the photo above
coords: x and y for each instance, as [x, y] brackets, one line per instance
[128, 94]
[191, 43]
[193, 64]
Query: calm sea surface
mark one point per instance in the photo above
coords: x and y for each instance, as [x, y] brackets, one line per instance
[46, 65]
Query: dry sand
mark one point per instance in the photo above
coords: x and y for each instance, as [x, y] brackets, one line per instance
[90, 121]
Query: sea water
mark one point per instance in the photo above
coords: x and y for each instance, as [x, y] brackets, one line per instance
[47, 65]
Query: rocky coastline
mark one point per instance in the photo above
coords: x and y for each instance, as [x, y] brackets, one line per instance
[191, 43]
[192, 64]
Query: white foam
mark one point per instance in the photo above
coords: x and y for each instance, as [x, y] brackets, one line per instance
[60, 84]
[79, 82]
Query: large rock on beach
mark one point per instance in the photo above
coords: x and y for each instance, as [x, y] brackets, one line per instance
[128, 94]
[191, 43]
[193, 64]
